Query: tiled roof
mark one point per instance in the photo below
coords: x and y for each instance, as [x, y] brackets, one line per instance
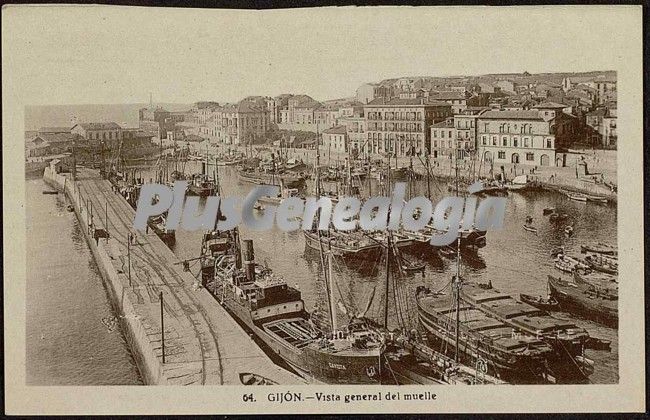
[447, 95]
[100, 126]
[54, 130]
[512, 115]
[444, 124]
[549, 105]
[406, 101]
[339, 129]
[58, 137]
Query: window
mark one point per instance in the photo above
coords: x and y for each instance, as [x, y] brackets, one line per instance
[435, 133]
[504, 140]
[549, 144]
[515, 142]
[501, 154]
[435, 143]
[494, 140]
[442, 134]
[484, 140]
[450, 134]
[450, 145]
[530, 156]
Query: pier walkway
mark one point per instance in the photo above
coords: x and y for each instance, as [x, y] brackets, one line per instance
[203, 343]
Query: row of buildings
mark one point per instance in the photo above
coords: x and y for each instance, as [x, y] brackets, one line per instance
[49, 141]
[527, 119]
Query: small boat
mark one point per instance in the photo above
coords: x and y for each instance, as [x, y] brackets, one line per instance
[599, 248]
[558, 217]
[594, 199]
[548, 210]
[50, 192]
[557, 251]
[598, 344]
[549, 304]
[569, 264]
[258, 206]
[577, 197]
[530, 229]
[603, 264]
[248, 378]
[412, 266]
[568, 231]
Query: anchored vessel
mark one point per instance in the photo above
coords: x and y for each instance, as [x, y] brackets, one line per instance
[587, 299]
[565, 337]
[275, 313]
[510, 353]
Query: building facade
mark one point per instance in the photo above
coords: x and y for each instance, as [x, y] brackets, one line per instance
[443, 139]
[107, 131]
[402, 126]
[335, 140]
[520, 137]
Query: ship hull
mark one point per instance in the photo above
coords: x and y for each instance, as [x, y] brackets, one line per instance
[574, 300]
[367, 251]
[308, 361]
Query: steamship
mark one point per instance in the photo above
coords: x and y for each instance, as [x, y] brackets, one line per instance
[276, 314]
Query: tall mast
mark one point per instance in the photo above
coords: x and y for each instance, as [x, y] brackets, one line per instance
[388, 250]
[330, 279]
[457, 279]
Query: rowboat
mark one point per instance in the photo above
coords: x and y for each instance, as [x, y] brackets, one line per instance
[599, 248]
[569, 264]
[539, 302]
[577, 197]
[248, 378]
[530, 229]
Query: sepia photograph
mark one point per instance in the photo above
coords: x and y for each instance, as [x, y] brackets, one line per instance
[398, 199]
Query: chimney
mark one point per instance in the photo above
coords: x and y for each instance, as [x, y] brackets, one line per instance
[249, 260]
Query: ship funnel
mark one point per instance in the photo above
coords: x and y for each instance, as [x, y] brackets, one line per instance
[249, 260]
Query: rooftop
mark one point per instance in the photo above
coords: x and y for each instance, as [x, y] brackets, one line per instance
[339, 129]
[54, 130]
[549, 105]
[513, 115]
[99, 126]
[407, 102]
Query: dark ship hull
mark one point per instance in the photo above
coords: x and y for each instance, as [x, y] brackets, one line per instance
[585, 299]
[564, 337]
[343, 245]
[262, 178]
[291, 337]
[508, 353]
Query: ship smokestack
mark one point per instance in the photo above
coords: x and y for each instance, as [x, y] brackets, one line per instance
[249, 260]
[238, 255]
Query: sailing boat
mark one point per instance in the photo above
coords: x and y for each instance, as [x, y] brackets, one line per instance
[480, 339]
[275, 313]
[341, 244]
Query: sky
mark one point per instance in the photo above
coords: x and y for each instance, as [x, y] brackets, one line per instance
[110, 54]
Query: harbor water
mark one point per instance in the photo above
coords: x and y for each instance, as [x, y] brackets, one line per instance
[71, 338]
[514, 261]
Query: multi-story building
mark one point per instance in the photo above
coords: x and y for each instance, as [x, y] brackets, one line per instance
[601, 127]
[326, 117]
[335, 139]
[402, 126]
[241, 123]
[521, 137]
[457, 100]
[443, 139]
[356, 134]
[466, 131]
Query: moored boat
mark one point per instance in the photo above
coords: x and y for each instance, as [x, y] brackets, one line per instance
[275, 313]
[566, 338]
[510, 353]
[545, 304]
[599, 248]
[589, 300]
